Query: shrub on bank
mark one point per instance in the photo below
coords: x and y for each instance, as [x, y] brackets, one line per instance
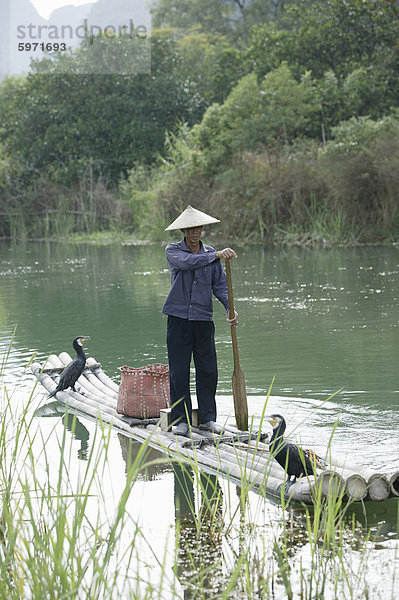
[46, 209]
[346, 191]
[361, 165]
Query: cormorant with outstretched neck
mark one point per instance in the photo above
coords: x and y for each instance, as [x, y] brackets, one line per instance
[73, 371]
[295, 460]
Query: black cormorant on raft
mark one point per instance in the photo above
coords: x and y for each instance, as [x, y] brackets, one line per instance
[295, 460]
[73, 371]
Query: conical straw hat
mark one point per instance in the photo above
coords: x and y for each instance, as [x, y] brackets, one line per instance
[191, 217]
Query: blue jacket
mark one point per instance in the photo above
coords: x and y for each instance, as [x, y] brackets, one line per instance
[194, 277]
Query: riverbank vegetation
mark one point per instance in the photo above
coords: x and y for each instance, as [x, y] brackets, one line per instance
[281, 118]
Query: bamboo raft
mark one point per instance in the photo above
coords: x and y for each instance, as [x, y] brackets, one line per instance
[243, 457]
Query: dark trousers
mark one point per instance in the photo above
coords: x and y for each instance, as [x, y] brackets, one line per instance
[186, 339]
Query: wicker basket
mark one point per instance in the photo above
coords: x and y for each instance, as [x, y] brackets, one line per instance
[143, 391]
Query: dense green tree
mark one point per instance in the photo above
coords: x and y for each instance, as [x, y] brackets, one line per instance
[64, 123]
[5, 169]
[243, 91]
[350, 47]
[211, 65]
[360, 134]
[328, 35]
[341, 35]
[258, 117]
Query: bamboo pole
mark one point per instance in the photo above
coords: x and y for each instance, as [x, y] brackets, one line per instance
[378, 486]
[238, 379]
[332, 484]
[356, 487]
[103, 377]
[355, 484]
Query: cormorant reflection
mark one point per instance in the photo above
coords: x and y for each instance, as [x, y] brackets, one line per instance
[79, 431]
[70, 422]
[198, 533]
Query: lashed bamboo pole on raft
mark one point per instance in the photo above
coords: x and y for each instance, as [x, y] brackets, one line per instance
[245, 463]
[378, 486]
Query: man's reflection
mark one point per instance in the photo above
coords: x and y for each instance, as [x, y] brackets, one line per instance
[198, 533]
[152, 463]
[198, 501]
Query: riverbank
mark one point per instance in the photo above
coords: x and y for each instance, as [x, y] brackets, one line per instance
[298, 239]
[345, 193]
[302, 193]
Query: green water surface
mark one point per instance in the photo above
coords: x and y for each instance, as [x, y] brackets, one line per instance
[316, 320]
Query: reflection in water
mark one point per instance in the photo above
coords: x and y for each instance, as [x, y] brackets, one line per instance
[379, 518]
[198, 503]
[79, 431]
[356, 521]
[199, 556]
[152, 464]
[70, 422]
[212, 535]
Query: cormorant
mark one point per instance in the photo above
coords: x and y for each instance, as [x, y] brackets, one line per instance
[73, 371]
[295, 460]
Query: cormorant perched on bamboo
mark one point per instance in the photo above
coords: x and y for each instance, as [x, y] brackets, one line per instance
[295, 460]
[73, 371]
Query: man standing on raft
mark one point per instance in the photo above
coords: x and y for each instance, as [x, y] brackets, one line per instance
[196, 273]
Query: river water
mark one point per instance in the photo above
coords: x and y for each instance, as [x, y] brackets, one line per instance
[314, 323]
